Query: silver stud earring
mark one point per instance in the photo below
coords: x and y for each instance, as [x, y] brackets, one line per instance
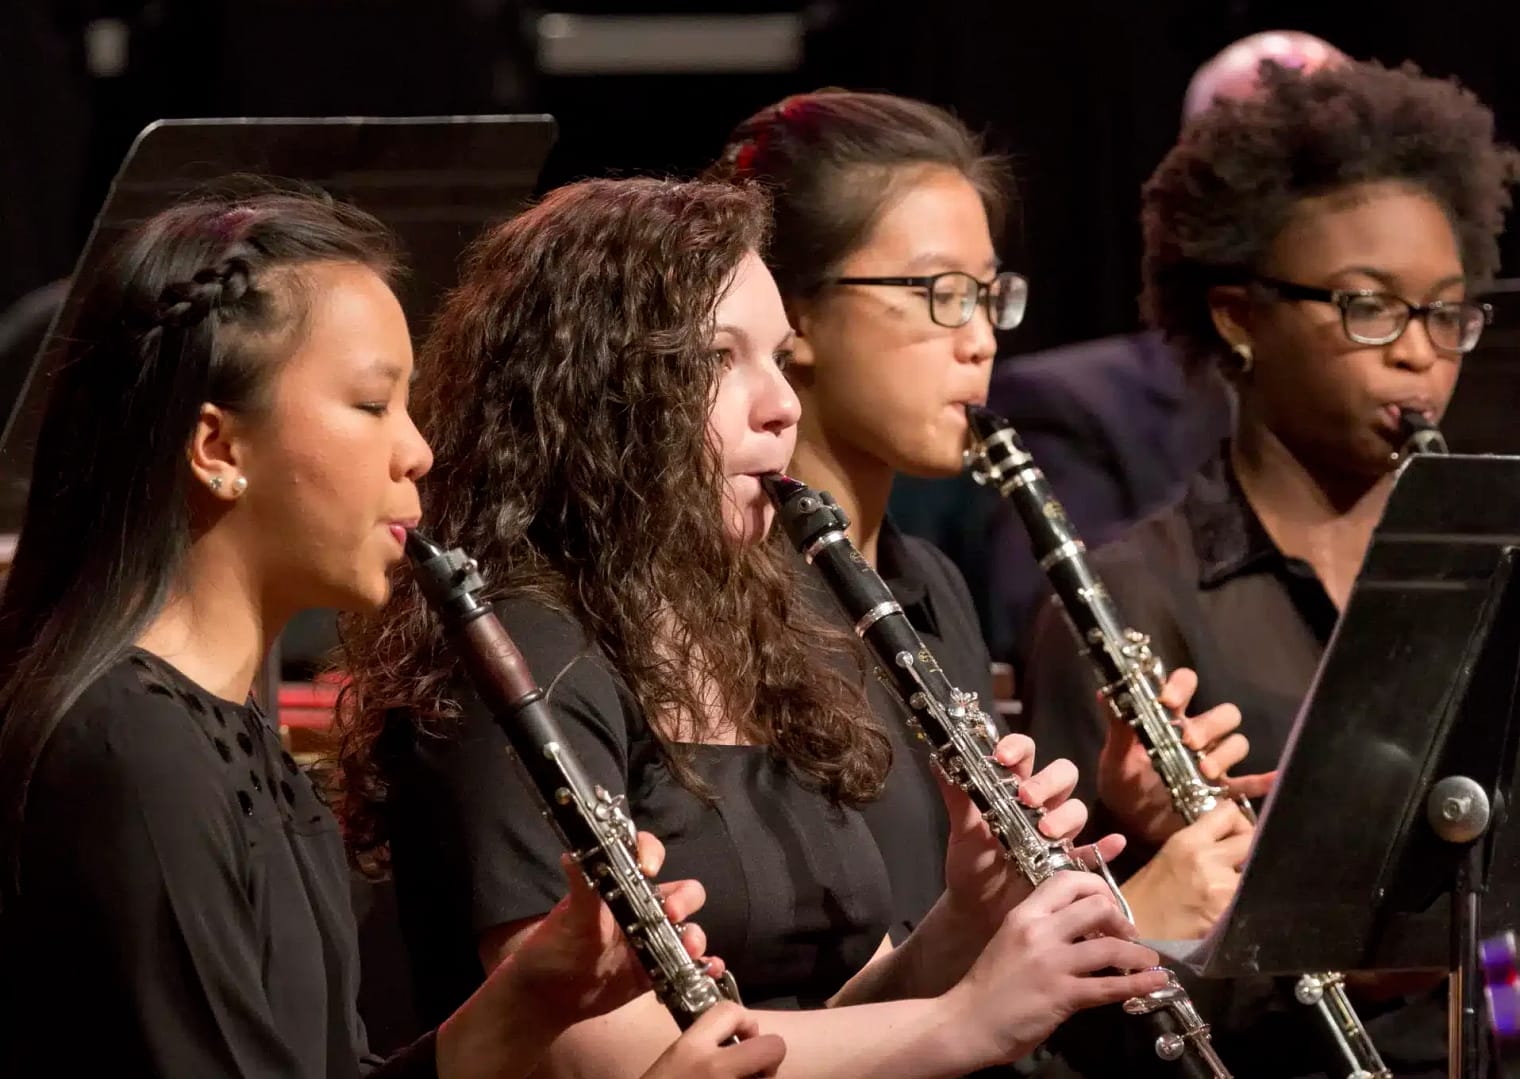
[239, 485]
[1243, 350]
[216, 483]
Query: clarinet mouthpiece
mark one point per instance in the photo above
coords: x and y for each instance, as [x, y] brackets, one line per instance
[1418, 435]
[449, 579]
[420, 549]
[983, 422]
[803, 513]
[779, 487]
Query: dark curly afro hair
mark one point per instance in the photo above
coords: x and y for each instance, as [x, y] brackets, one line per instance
[1214, 206]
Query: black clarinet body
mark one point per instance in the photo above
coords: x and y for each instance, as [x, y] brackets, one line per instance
[961, 742]
[1129, 676]
[1129, 679]
[594, 825]
[1417, 434]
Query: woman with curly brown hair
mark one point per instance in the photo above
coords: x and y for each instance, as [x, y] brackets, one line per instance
[1323, 239]
[606, 387]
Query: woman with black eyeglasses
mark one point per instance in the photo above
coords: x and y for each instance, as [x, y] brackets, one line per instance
[884, 256]
[885, 210]
[1324, 241]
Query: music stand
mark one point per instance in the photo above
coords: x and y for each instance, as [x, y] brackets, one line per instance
[436, 181]
[1392, 793]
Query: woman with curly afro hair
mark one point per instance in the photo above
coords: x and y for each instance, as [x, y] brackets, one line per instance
[1324, 240]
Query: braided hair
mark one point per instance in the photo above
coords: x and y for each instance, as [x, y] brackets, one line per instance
[197, 305]
[183, 304]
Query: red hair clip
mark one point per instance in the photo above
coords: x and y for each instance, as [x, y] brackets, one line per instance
[744, 157]
[229, 226]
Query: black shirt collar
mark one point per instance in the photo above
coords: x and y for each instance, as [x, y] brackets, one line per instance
[146, 661]
[1228, 536]
[1231, 542]
[900, 571]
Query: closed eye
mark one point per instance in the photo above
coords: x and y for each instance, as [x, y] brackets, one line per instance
[375, 408]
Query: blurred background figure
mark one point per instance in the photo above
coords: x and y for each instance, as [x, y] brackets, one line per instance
[1233, 71]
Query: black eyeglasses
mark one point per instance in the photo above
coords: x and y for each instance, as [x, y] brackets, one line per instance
[1370, 317]
[954, 296]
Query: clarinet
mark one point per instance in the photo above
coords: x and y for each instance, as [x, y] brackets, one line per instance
[1130, 678]
[961, 742]
[594, 826]
[1417, 435]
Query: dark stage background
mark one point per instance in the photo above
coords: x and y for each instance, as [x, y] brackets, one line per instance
[1085, 95]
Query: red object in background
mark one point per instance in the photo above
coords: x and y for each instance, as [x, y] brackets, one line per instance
[310, 704]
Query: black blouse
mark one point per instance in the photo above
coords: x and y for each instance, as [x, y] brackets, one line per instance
[798, 897]
[909, 819]
[1205, 580]
[184, 906]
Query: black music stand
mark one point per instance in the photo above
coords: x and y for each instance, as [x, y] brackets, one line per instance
[436, 181]
[1388, 819]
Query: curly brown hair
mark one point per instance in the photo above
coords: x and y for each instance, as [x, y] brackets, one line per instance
[1215, 204]
[566, 387]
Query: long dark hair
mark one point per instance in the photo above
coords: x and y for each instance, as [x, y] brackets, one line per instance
[196, 305]
[566, 390]
[832, 161]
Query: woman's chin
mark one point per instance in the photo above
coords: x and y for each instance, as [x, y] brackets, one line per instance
[938, 463]
[750, 525]
[368, 596]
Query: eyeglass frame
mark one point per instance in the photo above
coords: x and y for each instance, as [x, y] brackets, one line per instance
[926, 282]
[1341, 298]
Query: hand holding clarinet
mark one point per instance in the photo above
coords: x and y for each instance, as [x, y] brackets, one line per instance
[616, 934]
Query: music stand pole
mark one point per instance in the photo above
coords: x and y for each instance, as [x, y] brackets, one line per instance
[1458, 811]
